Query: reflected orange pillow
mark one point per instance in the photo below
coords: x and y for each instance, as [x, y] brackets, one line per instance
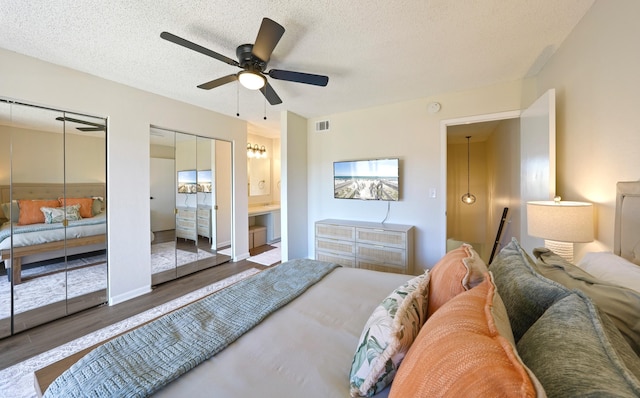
[30, 212]
[466, 349]
[86, 205]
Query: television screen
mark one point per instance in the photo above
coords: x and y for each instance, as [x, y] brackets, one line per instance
[204, 181]
[375, 179]
[187, 181]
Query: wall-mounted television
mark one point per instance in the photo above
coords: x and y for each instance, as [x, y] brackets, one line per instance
[187, 182]
[373, 179]
[204, 181]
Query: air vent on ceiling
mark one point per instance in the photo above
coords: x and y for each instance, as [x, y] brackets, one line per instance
[322, 125]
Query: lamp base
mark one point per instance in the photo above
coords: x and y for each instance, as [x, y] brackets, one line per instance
[562, 249]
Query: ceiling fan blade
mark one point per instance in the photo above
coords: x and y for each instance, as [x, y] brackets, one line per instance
[268, 37]
[70, 119]
[87, 129]
[218, 82]
[299, 77]
[270, 94]
[196, 47]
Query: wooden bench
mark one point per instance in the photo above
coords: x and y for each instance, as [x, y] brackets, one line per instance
[16, 255]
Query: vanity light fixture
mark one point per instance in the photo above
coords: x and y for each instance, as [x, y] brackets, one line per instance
[468, 197]
[254, 151]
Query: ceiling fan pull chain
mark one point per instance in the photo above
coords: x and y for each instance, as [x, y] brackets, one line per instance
[265, 108]
[238, 100]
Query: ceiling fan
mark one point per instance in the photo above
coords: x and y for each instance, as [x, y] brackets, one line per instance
[253, 59]
[94, 126]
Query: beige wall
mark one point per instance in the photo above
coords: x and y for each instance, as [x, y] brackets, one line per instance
[38, 156]
[596, 75]
[408, 131]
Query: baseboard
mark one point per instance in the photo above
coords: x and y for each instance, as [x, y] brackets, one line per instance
[129, 295]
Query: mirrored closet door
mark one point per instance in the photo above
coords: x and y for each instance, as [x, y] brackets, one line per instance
[184, 203]
[52, 206]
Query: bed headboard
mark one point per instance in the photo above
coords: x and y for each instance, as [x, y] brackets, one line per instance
[626, 239]
[51, 191]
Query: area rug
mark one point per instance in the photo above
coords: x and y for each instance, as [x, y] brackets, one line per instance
[267, 258]
[17, 381]
[164, 256]
[84, 275]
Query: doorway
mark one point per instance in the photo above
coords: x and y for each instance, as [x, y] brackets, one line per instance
[511, 161]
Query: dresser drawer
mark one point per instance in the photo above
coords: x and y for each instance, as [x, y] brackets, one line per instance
[186, 213]
[336, 246]
[345, 261]
[330, 231]
[381, 254]
[381, 237]
[372, 265]
[182, 223]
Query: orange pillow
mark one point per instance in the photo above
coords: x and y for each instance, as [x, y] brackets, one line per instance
[86, 205]
[458, 271]
[30, 212]
[466, 349]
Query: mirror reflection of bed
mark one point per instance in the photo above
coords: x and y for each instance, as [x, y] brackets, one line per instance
[53, 261]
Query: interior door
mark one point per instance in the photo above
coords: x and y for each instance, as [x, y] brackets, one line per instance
[162, 194]
[537, 159]
[163, 186]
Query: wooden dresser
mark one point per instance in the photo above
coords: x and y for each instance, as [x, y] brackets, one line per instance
[204, 222]
[369, 245]
[186, 225]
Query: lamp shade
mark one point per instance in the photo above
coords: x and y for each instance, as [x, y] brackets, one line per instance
[561, 221]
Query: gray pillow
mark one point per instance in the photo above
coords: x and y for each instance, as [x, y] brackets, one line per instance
[11, 209]
[526, 294]
[622, 305]
[96, 206]
[575, 351]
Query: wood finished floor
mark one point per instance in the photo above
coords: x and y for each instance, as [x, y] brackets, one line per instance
[42, 338]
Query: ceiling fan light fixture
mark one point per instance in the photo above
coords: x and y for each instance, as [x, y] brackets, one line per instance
[251, 80]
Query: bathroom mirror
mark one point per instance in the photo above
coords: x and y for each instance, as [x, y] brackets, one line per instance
[259, 176]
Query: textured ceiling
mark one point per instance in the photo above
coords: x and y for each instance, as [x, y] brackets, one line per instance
[374, 52]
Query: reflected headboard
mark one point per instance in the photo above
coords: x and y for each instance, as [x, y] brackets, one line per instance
[626, 239]
[51, 191]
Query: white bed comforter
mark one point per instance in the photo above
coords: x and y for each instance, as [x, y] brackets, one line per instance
[34, 234]
[305, 349]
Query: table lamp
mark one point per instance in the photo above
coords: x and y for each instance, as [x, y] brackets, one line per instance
[560, 224]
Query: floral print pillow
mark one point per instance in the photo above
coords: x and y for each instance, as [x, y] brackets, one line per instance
[58, 214]
[387, 336]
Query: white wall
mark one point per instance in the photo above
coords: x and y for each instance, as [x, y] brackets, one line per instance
[408, 131]
[503, 156]
[130, 112]
[596, 75]
[295, 186]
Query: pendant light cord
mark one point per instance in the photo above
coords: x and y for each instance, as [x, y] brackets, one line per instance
[468, 164]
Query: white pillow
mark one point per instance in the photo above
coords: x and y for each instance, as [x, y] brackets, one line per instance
[612, 268]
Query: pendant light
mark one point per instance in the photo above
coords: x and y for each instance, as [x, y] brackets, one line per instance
[468, 197]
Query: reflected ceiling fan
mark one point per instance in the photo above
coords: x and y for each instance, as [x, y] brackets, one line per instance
[94, 126]
[253, 59]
